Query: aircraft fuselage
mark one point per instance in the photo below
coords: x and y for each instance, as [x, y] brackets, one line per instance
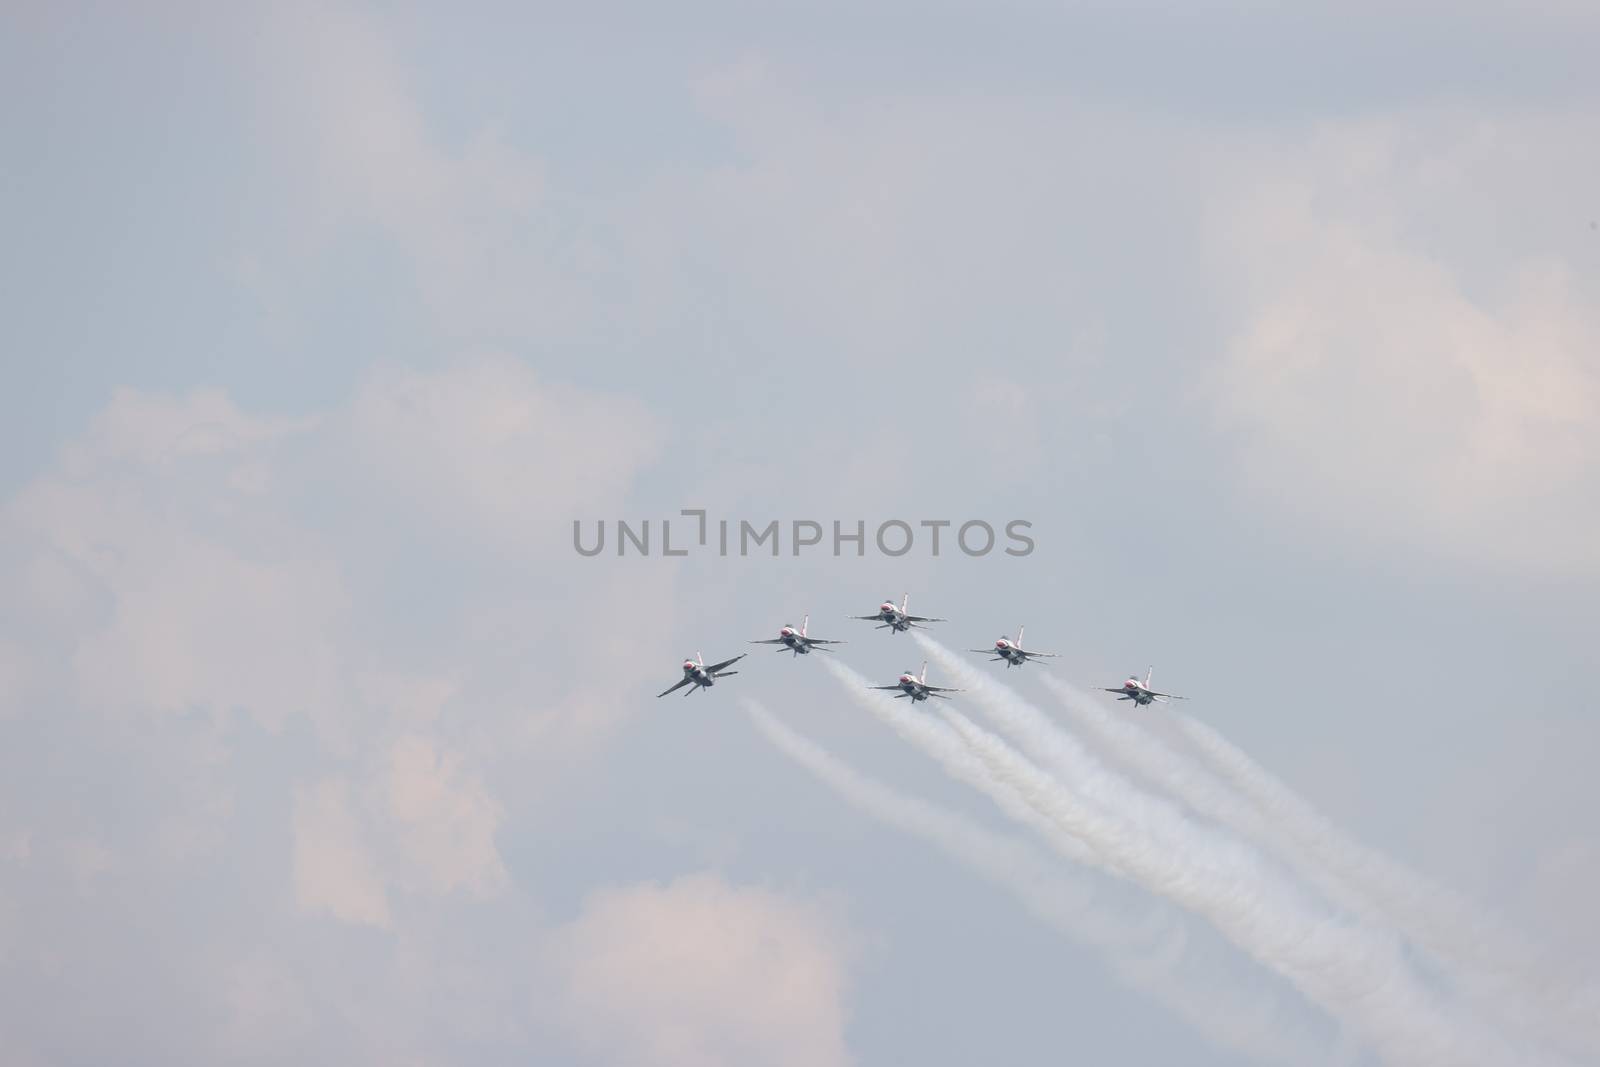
[913, 688]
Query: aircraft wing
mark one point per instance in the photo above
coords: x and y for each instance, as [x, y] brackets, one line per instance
[942, 689]
[866, 618]
[1040, 655]
[921, 618]
[883, 687]
[682, 682]
[985, 651]
[820, 641]
[715, 667]
[1165, 696]
[773, 641]
[1118, 689]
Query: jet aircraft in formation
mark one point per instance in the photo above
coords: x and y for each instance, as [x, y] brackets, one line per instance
[698, 676]
[895, 618]
[916, 686]
[1140, 692]
[798, 642]
[1011, 651]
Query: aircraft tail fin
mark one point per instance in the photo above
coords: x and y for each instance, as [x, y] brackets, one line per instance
[1147, 675]
[904, 600]
[698, 658]
[805, 622]
[1019, 637]
[923, 677]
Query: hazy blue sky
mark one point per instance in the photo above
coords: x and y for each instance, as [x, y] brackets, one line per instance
[324, 322]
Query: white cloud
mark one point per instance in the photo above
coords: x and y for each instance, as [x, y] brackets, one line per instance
[184, 600]
[1379, 385]
[468, 214]
[154, 430]
[198, 626]
[901, 227]
[168, 586]
[171, 563]
[489, 447]
[335, 872]
[176, 558]
[445, 819]
[701, 972]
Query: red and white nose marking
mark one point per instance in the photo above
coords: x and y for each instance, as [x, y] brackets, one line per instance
[787, 631]
[1002, 644]
[1131, 683]
[689, 664]
[886, 608]
[907, 679]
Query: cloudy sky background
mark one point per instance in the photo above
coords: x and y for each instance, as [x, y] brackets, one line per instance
[325, 322]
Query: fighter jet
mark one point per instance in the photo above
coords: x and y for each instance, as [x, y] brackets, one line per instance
[1011, 651]
[895, 619]
[1140, 692]
[696, 674]
[916, 686]
[796, 641]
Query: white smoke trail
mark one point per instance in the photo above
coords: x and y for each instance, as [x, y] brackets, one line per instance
[1348, 873]
[1335, 962]
[1250, 1022]
[1048, 744]
[1195, 785]
[1492, 965]
[1162, 764]
[1355, 973]
[935, 739]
